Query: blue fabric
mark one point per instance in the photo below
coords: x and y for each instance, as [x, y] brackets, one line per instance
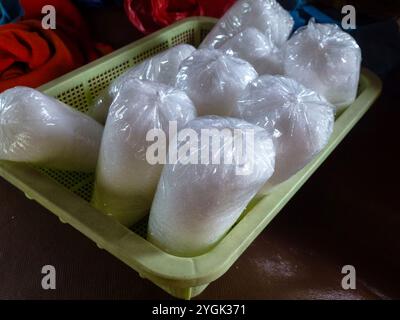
[302, 12]
[97, 3]
[10, 11]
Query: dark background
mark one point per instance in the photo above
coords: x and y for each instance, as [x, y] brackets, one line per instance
[347, 213]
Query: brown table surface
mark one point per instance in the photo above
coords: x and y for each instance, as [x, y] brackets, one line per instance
[347, 213]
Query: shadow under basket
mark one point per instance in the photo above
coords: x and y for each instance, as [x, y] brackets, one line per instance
[67, 194]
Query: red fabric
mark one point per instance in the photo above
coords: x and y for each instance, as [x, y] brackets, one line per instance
[151, 15]
[71, 26]
[32, 56]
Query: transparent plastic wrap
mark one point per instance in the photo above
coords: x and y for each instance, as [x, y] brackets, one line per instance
[325, 59]
[251, 45]
[161, 68]
[214, 80]
[300, 119]
[197, 203]
[38, 129]
[265, 15]
[126, 179]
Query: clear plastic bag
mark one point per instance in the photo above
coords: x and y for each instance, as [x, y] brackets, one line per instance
[325, 59]
[265, 15]
[300, 120]
[161, 68]
[126, 179]
[214, 80]
[38, 129]
[196, 204]
[251, 45]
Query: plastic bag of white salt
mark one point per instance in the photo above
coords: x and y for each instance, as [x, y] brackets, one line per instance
[161, 68]
[202, 195]
[214, 80]
[325, 59]
[251, 45]
[38, 129]
[300, 120]
[267, 16]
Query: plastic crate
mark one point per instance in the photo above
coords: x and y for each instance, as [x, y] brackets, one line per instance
[67, 194]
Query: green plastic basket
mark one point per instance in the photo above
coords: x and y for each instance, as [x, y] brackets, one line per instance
[67, 194]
